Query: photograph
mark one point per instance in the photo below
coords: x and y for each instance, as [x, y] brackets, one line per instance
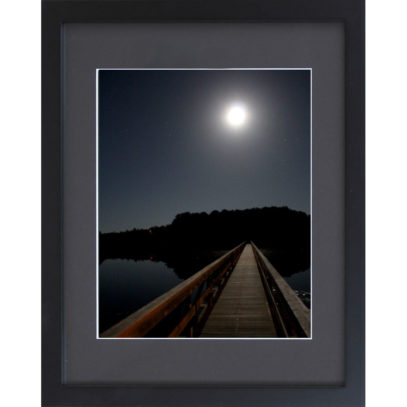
[204, 203]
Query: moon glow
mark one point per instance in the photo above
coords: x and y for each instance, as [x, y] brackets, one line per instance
[236, 115]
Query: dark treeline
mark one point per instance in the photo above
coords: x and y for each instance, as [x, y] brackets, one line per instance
[282, 232]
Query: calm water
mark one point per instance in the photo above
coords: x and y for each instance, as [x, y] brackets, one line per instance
[299, 281]
[126, 285]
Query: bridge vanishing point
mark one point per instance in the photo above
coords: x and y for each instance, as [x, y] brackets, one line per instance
[238, 295]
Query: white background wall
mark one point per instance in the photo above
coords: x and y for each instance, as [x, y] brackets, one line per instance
[20, 202]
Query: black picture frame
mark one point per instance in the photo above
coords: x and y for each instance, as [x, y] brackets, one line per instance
[54, 14]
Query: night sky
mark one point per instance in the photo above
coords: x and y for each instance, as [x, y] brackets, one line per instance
[165, 146]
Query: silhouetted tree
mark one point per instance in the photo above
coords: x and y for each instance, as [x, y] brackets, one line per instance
[283, 232]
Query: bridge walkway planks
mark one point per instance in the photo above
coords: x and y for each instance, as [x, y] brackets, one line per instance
[242, 309]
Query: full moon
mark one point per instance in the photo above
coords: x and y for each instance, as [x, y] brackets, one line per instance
[236, 115]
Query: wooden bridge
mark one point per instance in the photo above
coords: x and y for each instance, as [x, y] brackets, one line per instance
[239, 295]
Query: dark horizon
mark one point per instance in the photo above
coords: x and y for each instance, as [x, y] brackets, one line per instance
[165, 149]
[205, 213]
[197, 233]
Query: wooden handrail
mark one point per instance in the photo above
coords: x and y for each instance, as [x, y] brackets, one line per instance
[142, 321]
[290, 313]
